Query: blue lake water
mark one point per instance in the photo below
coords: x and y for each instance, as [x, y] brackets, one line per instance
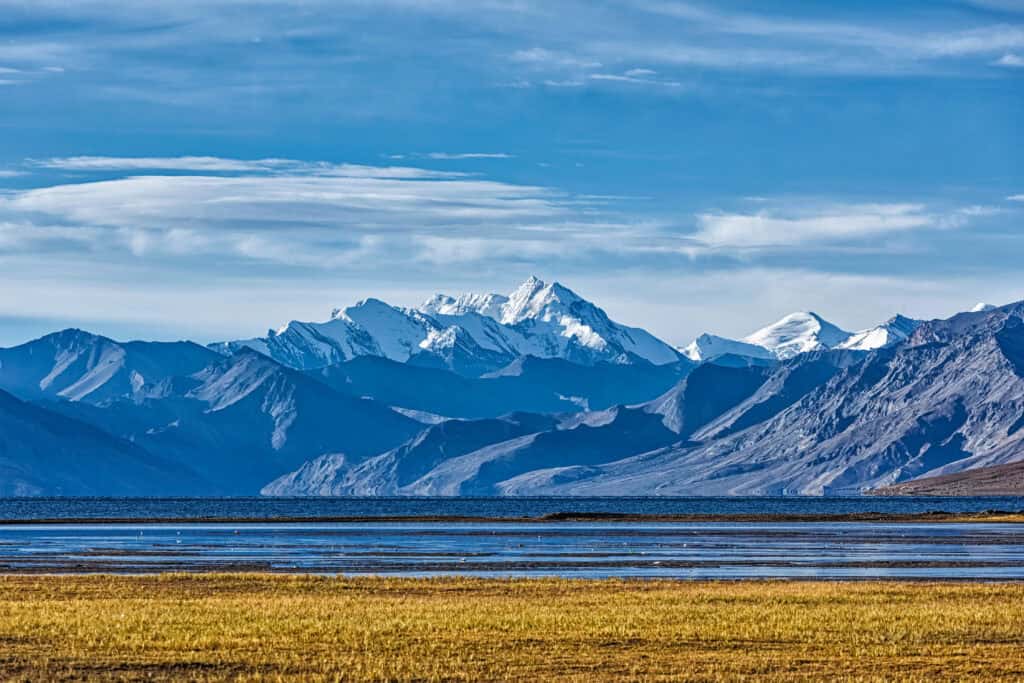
[726, 550]
[270, 508]
[845, 550]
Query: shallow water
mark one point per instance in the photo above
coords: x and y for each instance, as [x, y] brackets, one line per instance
[270, 508]
[575, 549]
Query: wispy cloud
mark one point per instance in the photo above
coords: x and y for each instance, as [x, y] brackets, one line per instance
[1011, 61]
[636, 76]
[321, 215]
[450, 156]
[789, 227]
[223, 165]
[1016, 198]
[216, 164]
[538, 56]
[447, 156]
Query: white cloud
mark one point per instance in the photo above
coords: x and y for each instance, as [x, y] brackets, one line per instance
[892, 41]
[835, 223]
[223, 165]
[1010, 60]
[1016, 198]
[338, 215]
[539, 56]
[619, 78]
[95, 163]
[469, 155]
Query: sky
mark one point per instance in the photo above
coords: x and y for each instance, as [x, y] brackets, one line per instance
[209, 169]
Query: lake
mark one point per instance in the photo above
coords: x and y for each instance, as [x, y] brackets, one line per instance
[722, 550]
[573, 549]
[271, 508]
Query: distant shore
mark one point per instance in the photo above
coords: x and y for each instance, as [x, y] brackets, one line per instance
[1001, 516]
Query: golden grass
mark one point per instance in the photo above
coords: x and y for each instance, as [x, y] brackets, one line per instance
[252, 627]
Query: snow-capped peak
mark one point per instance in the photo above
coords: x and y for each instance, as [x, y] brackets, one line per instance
[708, 346]
[398, 332]
[537, 319]
[798, 333]
[484, 304]
[982, 307]
[536, 300]
[892, 331]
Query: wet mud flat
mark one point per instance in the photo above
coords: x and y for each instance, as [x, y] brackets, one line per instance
[973, 550]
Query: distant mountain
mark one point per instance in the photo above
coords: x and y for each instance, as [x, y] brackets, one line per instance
[497, 456]
[80, 366]
[471, 334]
[801, 333]
[488, 305]
[798, 333]
[534, 393]
[892, 331]
[391, 472]
[46, 454]
[710, 346]
[948, 398]
[245, 420]
[528, 384]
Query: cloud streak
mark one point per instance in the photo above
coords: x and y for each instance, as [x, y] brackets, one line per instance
[93, 164]
[775, 228]
[293, 213]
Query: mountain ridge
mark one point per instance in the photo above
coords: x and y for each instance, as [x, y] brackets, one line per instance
[534, 393]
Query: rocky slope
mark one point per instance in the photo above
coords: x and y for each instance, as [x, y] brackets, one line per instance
[999, 480]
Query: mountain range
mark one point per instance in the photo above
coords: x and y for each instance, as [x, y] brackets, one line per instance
[537, 392]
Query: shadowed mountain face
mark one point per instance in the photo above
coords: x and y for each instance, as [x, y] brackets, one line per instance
[46, 454]
[499, 457]
[245, 420]
[79, 366]
[392, 472]
[537, 385]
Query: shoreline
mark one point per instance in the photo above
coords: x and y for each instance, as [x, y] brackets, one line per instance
[989, 516]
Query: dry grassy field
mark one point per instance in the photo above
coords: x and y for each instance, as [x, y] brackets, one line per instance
[308, 628]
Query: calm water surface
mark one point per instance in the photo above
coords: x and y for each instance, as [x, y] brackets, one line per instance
[574, 549]
[521, 548]
[270, 508]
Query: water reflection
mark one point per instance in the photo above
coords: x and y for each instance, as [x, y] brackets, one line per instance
[705, 550]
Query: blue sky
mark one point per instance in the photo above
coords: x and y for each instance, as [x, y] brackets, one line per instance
[211, 169]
